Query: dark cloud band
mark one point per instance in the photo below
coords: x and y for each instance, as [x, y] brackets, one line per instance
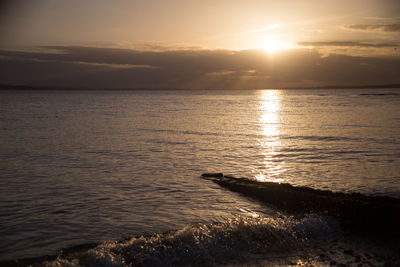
[348, 44]
[92, 67]
[392, 28]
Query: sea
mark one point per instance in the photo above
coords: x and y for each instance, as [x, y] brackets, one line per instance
[113, 177]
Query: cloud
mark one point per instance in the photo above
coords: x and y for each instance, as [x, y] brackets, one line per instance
[98, 64]
[348, 44]
[95, 67]
[391, 28]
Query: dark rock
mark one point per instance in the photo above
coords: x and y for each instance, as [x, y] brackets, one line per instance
[213, 174]
[356, 212]
[348, 251]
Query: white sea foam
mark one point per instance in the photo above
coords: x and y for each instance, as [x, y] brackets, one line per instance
[209, 244]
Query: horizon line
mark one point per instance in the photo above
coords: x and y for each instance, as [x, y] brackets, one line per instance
[65, 88]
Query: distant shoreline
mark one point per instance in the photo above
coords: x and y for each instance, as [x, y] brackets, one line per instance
[60, 88]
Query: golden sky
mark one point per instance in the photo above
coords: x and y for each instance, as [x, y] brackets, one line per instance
[281, 29]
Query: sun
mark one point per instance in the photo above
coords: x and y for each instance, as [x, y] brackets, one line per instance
[272, 45]
[271, 39]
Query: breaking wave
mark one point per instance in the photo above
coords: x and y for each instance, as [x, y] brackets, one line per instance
[236, 240]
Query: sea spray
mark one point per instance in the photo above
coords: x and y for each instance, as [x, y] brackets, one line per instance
[235, 240]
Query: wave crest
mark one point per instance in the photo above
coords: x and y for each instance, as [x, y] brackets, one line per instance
[213, 244]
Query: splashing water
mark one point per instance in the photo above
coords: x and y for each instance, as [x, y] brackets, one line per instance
[238, 240]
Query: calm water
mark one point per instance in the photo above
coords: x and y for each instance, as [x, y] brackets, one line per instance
[82, 166]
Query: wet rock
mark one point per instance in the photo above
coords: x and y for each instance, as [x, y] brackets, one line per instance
[375, 215]
[213, 174]
[348, 251]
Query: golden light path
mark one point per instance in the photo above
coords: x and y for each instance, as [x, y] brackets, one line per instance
[269, 121]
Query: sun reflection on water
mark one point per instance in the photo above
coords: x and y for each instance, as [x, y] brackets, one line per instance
[269, 107]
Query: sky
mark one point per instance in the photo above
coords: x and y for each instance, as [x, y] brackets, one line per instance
[205, 44]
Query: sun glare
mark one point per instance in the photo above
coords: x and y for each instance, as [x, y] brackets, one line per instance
[271, 38]
[274, 45]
